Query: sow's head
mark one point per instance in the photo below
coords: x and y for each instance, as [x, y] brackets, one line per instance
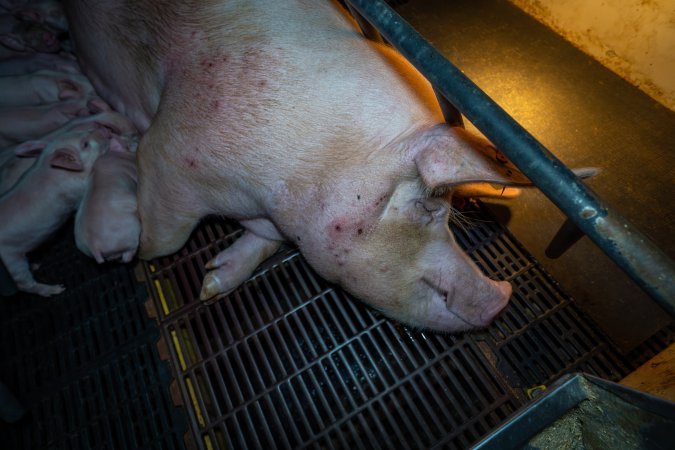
[392, 247]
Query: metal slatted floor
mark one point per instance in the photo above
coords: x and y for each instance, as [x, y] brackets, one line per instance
[84, 364]
[290, 361]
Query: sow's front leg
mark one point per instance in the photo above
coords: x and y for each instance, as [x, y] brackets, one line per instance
[234, 265]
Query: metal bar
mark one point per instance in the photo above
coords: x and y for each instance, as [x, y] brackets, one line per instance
[369, 31]
[451, 114]
[640, 258]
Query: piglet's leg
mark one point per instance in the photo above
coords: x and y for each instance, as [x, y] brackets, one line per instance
[235, 264]
[19, 270]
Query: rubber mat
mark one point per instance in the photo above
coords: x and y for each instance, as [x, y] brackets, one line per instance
[290, 361]
[84, 364]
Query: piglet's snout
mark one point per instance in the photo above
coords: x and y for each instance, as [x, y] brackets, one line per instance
[501, 292]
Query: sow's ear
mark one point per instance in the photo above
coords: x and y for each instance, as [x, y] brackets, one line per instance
[68, 159]
[451, 157]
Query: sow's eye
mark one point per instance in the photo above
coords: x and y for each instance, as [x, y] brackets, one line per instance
[431, 210]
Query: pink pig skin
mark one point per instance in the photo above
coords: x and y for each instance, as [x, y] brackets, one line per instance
[42, 201]
[42, 87]
[288, 120]
[16, 160]
[19, 124]
[23, 37]
[33, 62]
[106, 224]
[45, 12]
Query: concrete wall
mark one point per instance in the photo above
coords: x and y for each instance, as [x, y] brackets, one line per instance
[634, 38]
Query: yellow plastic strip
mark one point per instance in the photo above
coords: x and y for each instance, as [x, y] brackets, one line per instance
[207, 441]
[162, 299]
[179, 350]
[195, 404]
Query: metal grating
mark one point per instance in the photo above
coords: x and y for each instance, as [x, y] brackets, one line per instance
[290, 361]
[84, 364]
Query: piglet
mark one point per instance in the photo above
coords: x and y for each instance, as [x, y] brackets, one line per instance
[20, 124]
[22, 65]
[16, 160]
[107, 226]
[44, 12]
[43, 200]
[43, 87]
[20, 38]
[12, 168]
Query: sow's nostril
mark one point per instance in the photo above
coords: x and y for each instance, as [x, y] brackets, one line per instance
[501, 299]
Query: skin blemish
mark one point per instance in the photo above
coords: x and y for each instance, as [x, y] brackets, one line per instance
[262, 83]
[358, 197]
[359, 231]
[191, 162]
[379, 200]
[338, 228]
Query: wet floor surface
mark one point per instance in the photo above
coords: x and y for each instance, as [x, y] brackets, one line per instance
[587, 116]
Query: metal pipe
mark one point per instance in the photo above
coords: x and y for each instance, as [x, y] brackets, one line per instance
[369, 31]
[451, 114]
[640, 258]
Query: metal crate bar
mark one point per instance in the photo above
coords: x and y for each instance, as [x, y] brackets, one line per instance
[632, 251]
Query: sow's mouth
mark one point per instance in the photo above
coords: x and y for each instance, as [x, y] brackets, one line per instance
[449, 312]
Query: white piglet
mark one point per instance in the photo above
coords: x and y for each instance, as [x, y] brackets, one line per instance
[16, 160]
[43, 87]
[43, 200]
[107, 226]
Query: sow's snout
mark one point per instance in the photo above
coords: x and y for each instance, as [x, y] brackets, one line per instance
[470, 301]
[493, 309]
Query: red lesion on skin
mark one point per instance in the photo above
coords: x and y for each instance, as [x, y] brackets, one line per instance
[379, 201]
[191, 159]
[343, 230]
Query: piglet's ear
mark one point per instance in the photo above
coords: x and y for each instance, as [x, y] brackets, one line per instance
[68, 159]
[30, 149]
[30, 16]
[13, 42]
[97, 105]
[68, 89]
[116, 145]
